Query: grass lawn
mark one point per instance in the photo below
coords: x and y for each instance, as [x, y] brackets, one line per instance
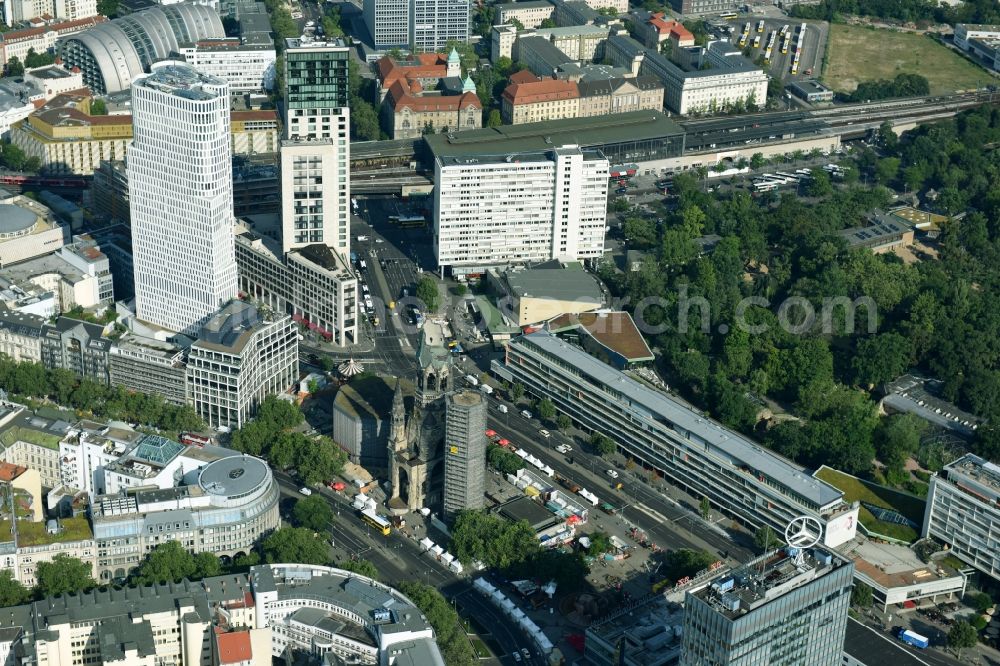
[482, 652]
[34, 534]
[857, 53]
[872, 493]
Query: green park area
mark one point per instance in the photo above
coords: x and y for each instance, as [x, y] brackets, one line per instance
[858, 53]
[856, 489]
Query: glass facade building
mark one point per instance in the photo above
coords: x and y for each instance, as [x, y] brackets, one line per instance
[778, 610]
[434, 23]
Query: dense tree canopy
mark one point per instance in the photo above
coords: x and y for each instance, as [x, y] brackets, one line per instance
[491, 539]
[12, 593]
[62, 386]
[503, 460]
[362, 567]
[455, 646]
[295, 544]
[171, 562]
[971, 11]
[313, 513]
[63, 575]
[784, 314]
[316, 459]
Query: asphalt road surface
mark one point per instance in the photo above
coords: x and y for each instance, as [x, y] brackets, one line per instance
[667, 524]
[398, 558]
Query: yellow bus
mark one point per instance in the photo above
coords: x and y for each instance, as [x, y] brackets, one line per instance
[729, 16]
[369, 517]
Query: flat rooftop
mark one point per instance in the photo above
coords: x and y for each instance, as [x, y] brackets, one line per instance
[890, 566]
[638, 631]
[183, 81]
[635, 126]
[976, 476]
[554, 281]
[883, 228]
[916, 395]
[766, 579]
[318, 44]
[809, 86]
[731, 446]
[527, 509]
[50, 72]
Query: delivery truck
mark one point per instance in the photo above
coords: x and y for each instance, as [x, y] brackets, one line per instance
[913, 638]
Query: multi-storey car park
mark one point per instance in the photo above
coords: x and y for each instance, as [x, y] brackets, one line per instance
[742, 478]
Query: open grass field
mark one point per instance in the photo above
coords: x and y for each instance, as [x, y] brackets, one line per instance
[857, 53]
[864, 491]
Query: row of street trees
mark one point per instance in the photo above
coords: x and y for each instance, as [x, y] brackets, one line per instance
[31, 382]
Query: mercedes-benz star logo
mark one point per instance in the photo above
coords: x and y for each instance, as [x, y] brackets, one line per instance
[803, 532]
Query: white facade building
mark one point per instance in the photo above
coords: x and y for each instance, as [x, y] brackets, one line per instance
[245, 67]
[388, 22]
[529, 13]
[531, 207]
[16, 11]
[241, 356]
[434, 23]
[307, 607]
[181, 197]
[310, 197]
[963, 511]
[966, 31]
[730, 79]
[221, 507]
[315, 284]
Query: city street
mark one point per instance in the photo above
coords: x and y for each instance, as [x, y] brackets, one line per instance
[660, 515]
[398, 558]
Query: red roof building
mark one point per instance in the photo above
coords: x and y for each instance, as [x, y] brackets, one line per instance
[233, 648]
[410, 110]
[427, 68]
[659, 29]
[542, 99]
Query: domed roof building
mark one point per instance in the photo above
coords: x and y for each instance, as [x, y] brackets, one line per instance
[111, 54]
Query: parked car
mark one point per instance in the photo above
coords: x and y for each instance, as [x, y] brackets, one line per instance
[524, 651]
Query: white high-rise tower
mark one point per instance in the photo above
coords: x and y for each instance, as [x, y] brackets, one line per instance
[181, 197]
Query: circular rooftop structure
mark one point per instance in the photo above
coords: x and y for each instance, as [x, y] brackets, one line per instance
[235, 476]
[15, 221]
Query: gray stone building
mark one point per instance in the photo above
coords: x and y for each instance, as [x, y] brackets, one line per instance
[77, 346]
